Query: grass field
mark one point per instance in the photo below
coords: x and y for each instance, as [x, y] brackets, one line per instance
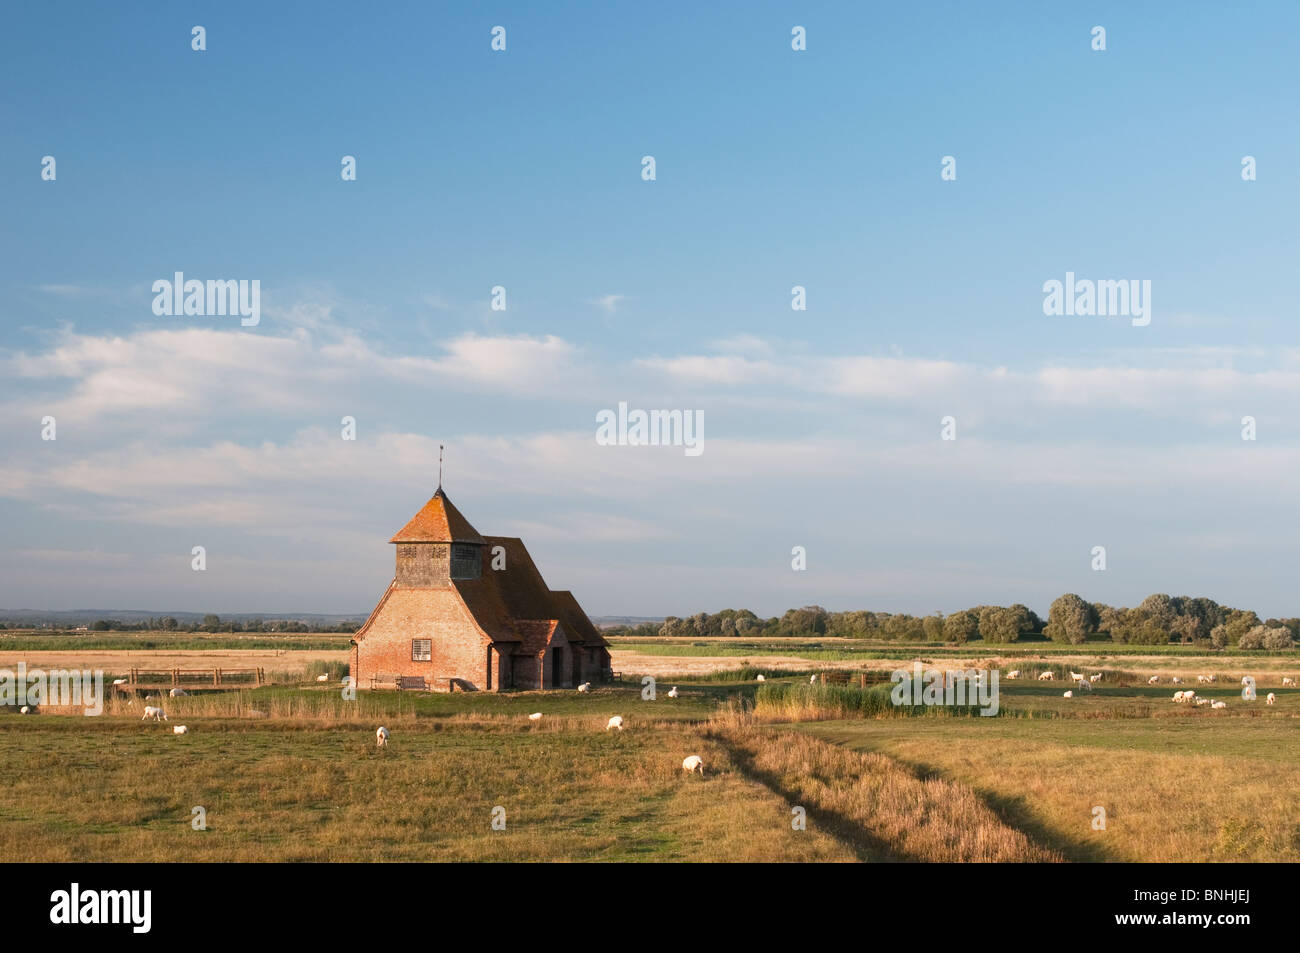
[291, 771]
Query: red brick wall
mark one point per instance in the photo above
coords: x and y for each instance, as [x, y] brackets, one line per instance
[459, 649]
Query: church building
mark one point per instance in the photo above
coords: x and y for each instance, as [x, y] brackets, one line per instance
[472, 612]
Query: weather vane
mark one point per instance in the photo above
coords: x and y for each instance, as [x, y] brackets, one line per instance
[440, 466]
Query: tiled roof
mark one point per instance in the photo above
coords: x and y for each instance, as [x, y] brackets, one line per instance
[576, 623]
[438, 522]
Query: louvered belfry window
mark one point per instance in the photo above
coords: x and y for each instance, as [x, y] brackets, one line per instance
[421, 650]
[466, 561]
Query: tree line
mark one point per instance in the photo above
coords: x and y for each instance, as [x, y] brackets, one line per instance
[1159, 620]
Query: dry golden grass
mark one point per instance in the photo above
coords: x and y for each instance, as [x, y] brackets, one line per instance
[872, 802]
[1200, 790]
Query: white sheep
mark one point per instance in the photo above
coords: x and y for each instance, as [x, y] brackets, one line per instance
[1075, 676]
[381, 736]
[1245, 679]
[585, 687]
[1084, 685]
[1095, 678]
[177, 692]
[535, 716]
[1218, 704]
[24, 710]
[1154, 679]
[615, 722]
[1271, 699]
[760, 677]
[1202, 701]
[1015, 674]
[119, 681]
[157, 714]
[322, 678]
[1212, 678]
[1046, 677]
[1068, 695]
[673, 693]
[1202, 679]
[812, 680]
[1287, 680]
[692, 764]
[180, 730]
[1180, 696]
[1176, 680]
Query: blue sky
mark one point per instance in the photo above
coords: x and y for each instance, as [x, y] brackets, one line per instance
[775, 168]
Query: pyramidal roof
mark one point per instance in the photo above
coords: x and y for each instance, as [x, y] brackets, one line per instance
[438, 522]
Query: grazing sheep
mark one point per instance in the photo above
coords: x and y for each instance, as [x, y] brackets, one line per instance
[1176, 680]
[1068, 695]
[24, 710]
[1286, 680]
[1084, 685]
[1212, 678]
[1015, 674]
[1153, 680]
[692, 764]
[1271, 699]
[1183, 696]
[812, 680]
[585, 687]
[177, 693]
[1046, 677]
[1245, 679]
[157, 714]
[1202, 679]
[1202, 701]
[760, 677]
[180, 730]
[322, 678]
[535, 716]
[615, 722]
[1218, 704]
[1095, 678]
[1075, 676]
[381, 736]
[673, 693]
[119, 681]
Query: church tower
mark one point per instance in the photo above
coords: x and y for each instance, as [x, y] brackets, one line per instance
[437, 546]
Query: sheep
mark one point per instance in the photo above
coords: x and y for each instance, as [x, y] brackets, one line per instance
[1212, 678]
[1154, 679]
[1218, 704]
[760, 677]
[1095, 678]
[180, 730]
[812, 680]
[157, 714]
[1015, 674]
[177, 693]
[615, 722]
[1068, 695]
[585, 687]
[322, 678]
[1271, 699]
[1287, 680]
[1245, 679]
[1176, 680]
[1075, 676]
[24, 710]
[1202, 679]
[1202, 701]
[1181, 696]
[535, 716]
[1084, 685]
[1046, 677]
[692, 764]
[119, 681]
[673, 693]
[381, 737]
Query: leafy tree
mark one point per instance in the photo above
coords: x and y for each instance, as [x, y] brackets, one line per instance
[961, 627]
[1071, 619]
